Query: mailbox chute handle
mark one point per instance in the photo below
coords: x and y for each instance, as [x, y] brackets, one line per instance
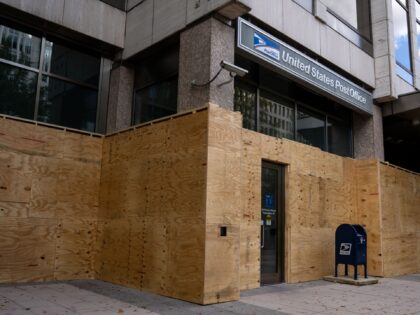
[262, 235]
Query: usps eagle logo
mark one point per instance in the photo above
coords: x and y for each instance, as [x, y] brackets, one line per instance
[266, 46]
[345, 249]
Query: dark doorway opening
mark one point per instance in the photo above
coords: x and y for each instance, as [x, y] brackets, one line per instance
[272, 223]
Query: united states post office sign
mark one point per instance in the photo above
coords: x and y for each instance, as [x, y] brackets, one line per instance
[301, 67]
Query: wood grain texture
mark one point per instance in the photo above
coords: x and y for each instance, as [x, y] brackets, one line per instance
[221, 276]
[49, 181]
[152, 206]
[143, 208]
[400, 202]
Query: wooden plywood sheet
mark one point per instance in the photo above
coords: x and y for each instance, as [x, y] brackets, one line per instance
[399, 254]
[312, 253]
[186, 259]
[27, 249]
[13, 209]
[152, 208]
[15, 186]
[33, 158]
[221, 276]
[75, 249]
[400, 201]
[369, 213]
[250, 247]
[31, 139]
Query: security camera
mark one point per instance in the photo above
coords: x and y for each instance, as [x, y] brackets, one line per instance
[234, 70]
[224, 65]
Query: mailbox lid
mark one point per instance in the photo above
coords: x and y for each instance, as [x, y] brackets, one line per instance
[360, 230]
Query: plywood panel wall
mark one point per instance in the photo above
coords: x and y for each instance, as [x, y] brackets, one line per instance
[223, 198]
[322, 192]
[152, 216]
[49, 186]
[369, 211]
[400, 200]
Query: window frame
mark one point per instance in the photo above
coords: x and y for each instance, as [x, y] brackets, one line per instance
[410, 44]
[147, 86]
[41, 72]
[417, 2]
[296, 105]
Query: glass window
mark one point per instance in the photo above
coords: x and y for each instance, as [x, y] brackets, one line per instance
[307, 4]
[310, 128]
[72, 64]
[17, 91]
[67, 82]
[156, 101]
[355, 13]
[417, 4]
[418, 27]
[418, 40]
[346, 9]
[245, 102]
[278, 107]
[402, 41]
[19, 47]
[339, 140]
[277, 117]
[67, 104]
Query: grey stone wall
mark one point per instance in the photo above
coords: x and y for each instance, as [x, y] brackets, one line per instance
[202, 48]
[368, 135]
[89, 17]
[120, 99]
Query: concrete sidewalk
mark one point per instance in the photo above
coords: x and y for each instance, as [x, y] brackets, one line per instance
[391, 296]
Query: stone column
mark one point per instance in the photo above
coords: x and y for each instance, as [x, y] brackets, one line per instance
[368, 135]
[202, 48]
[120, 101]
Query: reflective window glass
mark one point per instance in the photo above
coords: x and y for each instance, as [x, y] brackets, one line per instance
[17, 91]
[245, 102]
[338, 137]
[346, 9]
[156, 101]
[276, 117]
[72, 64]
[310, 128]
[417, 10]
[354, 14]
[401, 39]
[67, 104]
[19, 47]
[418, 40]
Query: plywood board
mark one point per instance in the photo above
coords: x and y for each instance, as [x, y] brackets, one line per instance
[13, 209]
[400, 199]
[49, 176]
[152, 208]
[27, 249]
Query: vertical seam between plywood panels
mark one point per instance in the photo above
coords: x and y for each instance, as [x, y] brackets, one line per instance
[240, 210]
[95, 241]
[58, 224]
[378, 177]
[207, 137]
[287, 236]
[97, 263]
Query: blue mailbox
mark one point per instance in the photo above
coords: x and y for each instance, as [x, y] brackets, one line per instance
[350, 247]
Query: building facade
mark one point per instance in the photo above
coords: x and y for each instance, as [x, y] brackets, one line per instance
[182, 158]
